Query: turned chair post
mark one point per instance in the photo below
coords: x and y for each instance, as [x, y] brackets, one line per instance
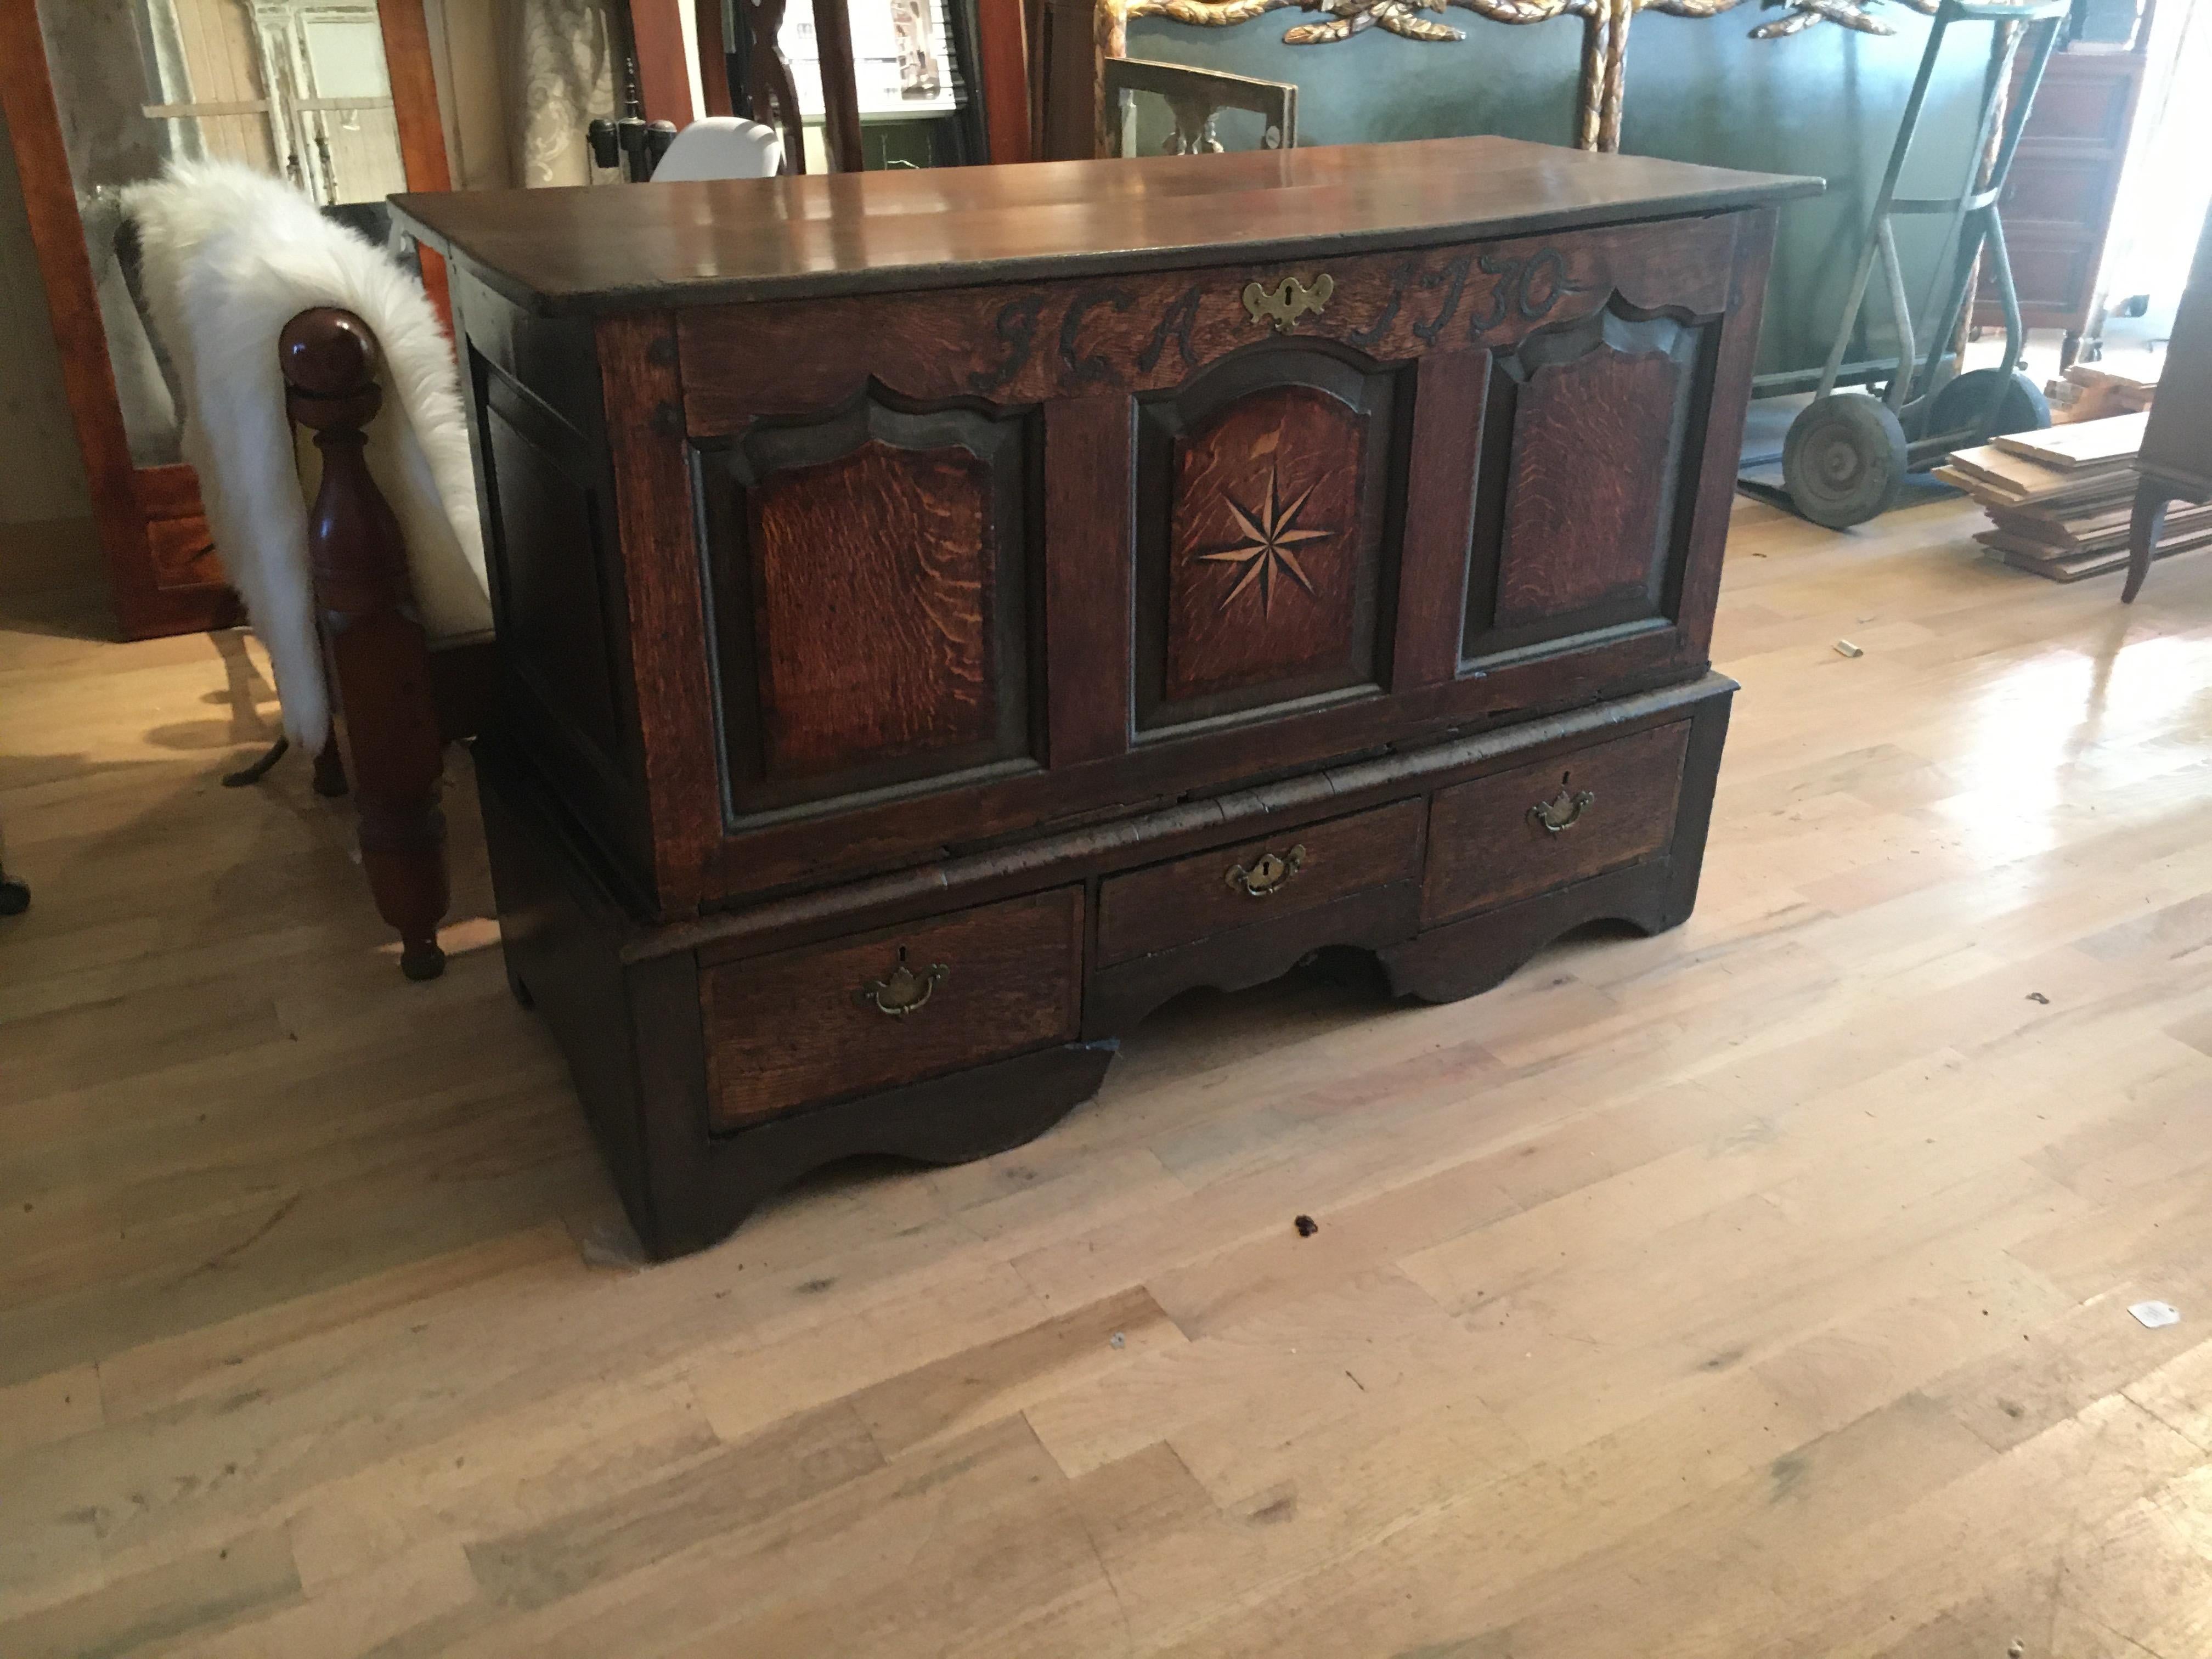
[379, 654]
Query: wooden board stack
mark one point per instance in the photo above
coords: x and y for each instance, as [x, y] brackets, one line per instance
[2059, 501]
[2084, 393]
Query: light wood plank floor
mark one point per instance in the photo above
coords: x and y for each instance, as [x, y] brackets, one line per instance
[1760, 1290]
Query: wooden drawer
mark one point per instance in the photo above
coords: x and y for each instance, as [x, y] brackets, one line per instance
[822, 1022]
[1209, 893]
[1615, 804]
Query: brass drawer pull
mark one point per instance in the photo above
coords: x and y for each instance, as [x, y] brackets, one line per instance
[1270, 873]
[905, 990]
[1564, 811]
[1288, 300]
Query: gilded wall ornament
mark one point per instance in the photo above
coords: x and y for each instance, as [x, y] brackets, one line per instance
[1604, 30]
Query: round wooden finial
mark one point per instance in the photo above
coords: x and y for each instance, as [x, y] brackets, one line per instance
[328, 353]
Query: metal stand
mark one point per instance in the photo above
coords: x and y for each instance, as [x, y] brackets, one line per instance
[1847, 455]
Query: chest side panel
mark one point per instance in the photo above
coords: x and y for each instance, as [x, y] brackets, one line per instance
[552, 555]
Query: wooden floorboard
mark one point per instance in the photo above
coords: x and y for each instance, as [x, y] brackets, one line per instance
[1760, 1290]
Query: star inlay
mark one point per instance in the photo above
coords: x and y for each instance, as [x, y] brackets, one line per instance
[1270, 531]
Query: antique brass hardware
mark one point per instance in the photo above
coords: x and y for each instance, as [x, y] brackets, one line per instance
[1289, 300]
[1564, 811]
[1269, 874]
[905, 990]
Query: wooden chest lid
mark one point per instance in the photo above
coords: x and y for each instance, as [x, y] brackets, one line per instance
[644, 246]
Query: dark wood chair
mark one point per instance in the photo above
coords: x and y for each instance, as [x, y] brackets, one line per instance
[768, 93]
[386, 701]
[396, 696]
[1197, 99]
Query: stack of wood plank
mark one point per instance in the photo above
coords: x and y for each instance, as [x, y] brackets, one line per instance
[2085, 392]
[2059, 501]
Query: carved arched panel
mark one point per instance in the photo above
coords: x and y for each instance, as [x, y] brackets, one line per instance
[1587, 472]
[1263, 562]
[868, 577]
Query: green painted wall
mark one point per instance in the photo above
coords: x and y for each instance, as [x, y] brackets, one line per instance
[1825, 102]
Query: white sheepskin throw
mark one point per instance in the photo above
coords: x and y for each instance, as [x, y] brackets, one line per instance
[230, 257]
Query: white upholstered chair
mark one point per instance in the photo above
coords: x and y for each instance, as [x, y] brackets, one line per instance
[722, 146]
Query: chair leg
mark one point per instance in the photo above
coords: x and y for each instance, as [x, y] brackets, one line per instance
[2144, 527]
[379, 655]
[329, 771]
[246, 776]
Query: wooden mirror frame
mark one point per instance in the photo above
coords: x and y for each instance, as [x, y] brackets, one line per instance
[1002, 68]
[138, 509]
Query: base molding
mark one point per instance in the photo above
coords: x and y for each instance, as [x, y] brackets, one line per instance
[634, 1005]
[1463, 959]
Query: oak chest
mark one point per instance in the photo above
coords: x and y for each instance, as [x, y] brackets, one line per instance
[942, 616]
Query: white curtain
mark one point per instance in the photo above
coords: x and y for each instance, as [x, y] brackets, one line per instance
[558, 71]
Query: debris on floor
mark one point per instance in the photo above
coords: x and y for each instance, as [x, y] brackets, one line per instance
[2152, 1315]
[2037, 996]
[1307, 1226]
[1845, 648]
[611, 1246]
[1119, 1340]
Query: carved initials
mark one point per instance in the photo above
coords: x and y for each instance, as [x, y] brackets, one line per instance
[1176, 325]
[1016, 327]
[1086, 370]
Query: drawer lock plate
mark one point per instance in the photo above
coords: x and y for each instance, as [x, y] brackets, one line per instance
[904, 990]
[1564, 811]
[1288, 300]
[1269, 874]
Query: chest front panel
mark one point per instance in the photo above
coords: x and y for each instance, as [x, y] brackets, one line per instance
[1261, 536]
[976, 560]
[868, 574]
[1589, 464]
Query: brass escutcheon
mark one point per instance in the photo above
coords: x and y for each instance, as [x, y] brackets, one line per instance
[1269, 874]
[904, 991]
[1564, 811]
[1289, 300]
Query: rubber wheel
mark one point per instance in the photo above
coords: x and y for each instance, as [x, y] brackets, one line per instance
[14, 898]
[1844, 460]
[1958, 407]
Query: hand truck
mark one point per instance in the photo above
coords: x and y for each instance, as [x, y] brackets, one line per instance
[1847, 454]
